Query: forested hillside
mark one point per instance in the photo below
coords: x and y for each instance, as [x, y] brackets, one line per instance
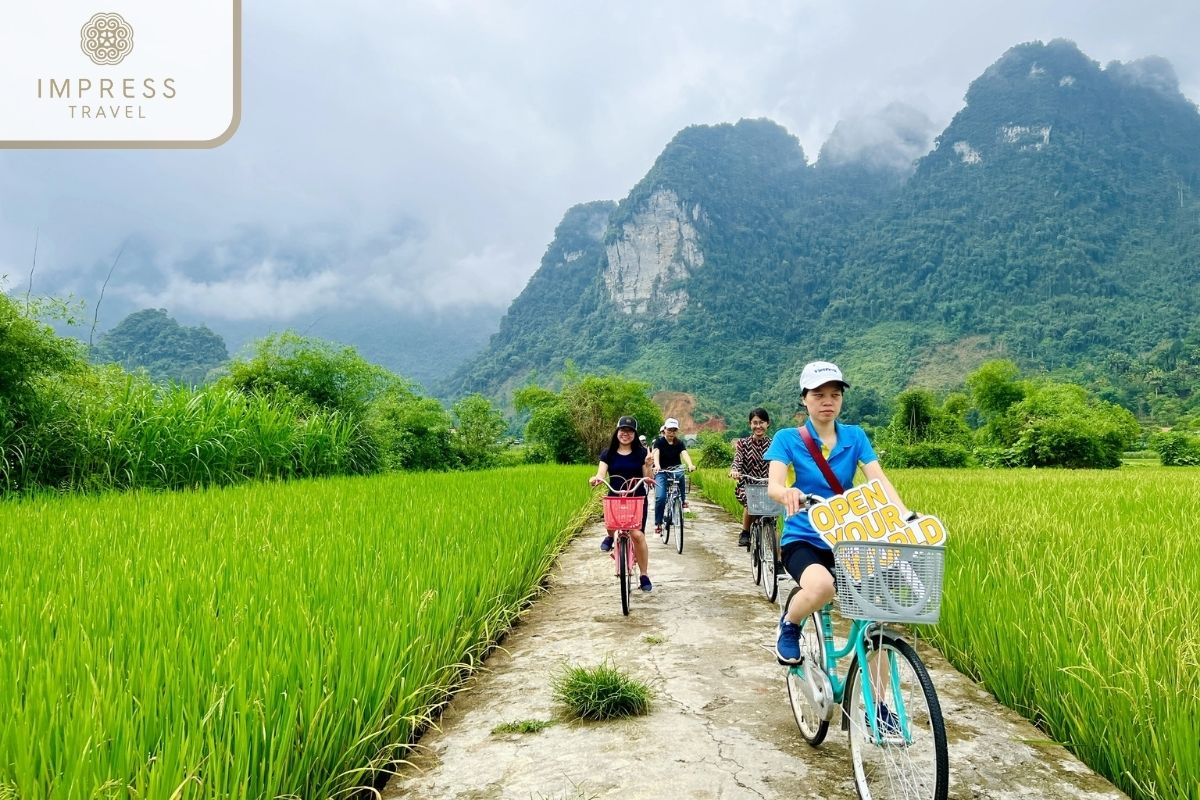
[1055, 222]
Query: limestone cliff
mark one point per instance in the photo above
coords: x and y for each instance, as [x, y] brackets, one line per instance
[653, 254]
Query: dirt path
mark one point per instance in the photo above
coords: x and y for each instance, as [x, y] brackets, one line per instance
[721, 725]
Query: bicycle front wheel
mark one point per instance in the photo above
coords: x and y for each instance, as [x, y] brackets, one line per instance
[668, 516]
[906, 756]
[808, 717]
[769, 559]
[755, 548]
[679, 521]
[624, 572]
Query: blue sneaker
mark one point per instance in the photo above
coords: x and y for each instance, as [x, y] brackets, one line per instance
[606, 543]
[644, 583]
[887, 722]
[787, 645]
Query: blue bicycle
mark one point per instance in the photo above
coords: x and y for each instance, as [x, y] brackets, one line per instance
[889, 706]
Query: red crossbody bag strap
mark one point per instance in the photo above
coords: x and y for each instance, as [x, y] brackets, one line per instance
[819, 457]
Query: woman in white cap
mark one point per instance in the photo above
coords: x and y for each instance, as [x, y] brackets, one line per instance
[844, 448]
[669, 451]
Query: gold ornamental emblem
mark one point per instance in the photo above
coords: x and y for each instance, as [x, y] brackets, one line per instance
[106, 38]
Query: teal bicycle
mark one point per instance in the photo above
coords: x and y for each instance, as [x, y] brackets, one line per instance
[889, 706]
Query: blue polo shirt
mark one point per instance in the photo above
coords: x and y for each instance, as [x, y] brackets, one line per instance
[853, 448]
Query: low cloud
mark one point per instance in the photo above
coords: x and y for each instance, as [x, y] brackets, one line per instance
[406, 270]
[892, 138]
[1151, 72]
[269, 290]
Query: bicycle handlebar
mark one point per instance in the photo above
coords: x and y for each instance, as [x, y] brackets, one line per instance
[628, 486]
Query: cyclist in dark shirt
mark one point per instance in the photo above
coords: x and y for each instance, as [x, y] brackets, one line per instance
[625, 459]
[669, 452]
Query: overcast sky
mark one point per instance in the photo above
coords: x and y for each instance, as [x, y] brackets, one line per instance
[419, 154]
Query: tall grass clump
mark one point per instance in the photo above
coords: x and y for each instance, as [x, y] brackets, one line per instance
[1072, 595]
[601, 692]
[106, 429]
[259, 641]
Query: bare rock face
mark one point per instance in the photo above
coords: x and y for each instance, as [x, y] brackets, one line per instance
[653, 255]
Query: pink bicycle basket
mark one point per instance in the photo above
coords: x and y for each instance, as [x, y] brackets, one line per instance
[623, 513]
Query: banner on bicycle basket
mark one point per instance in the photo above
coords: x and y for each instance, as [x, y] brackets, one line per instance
[623, 513]
[866, 514]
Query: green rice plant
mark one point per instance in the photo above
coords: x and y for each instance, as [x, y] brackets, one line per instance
[600, 692]
[1071, 596]
[717, 486]
[259, 641]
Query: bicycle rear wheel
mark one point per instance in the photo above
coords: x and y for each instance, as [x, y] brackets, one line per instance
[678, 503]
[624, 573]
[808, 717]
[768, 558]
[664, 530]
[909, 759]
[755, 548]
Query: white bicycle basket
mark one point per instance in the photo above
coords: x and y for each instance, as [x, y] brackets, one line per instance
[887, 582]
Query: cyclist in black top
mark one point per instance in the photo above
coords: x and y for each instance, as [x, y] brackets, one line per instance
[625, 458]
[669, 452]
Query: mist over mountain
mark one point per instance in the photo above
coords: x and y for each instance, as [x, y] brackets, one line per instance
[1054, 222]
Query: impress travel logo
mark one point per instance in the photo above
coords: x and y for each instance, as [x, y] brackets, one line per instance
[107, 39]
[73, 75]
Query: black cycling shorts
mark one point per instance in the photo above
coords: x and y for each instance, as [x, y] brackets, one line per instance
[798, 556]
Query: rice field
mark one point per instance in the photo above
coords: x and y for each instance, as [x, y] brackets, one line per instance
[262, 641]
[1072, 596]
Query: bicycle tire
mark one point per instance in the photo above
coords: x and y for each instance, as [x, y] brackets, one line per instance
[915, 765]
[664, 532]
[679, 519]
[812, 727]
[755, 547]
[668, 515]
[624, 573]
[769, 560]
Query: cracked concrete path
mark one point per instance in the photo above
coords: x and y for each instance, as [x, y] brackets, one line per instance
[721, 725]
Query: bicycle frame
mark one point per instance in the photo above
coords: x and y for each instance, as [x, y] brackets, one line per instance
[674, 476]
[623, 542]
[856, 642]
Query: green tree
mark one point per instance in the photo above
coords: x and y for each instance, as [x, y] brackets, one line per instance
[550, 433]
[1176, 448]
[325, 374]
[478, 432]
[576, 423]
[1060, 425]
[714, 451]
[152, 340]
[29, 348]
[995, 386]
[595, 402]
[411, 432]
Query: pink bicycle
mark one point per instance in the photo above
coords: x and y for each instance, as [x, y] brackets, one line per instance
[623, 513]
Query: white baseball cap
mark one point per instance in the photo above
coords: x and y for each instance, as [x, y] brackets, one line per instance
[819, 373]
[670, 423]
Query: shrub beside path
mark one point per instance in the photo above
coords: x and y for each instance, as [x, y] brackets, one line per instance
[720, 725]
